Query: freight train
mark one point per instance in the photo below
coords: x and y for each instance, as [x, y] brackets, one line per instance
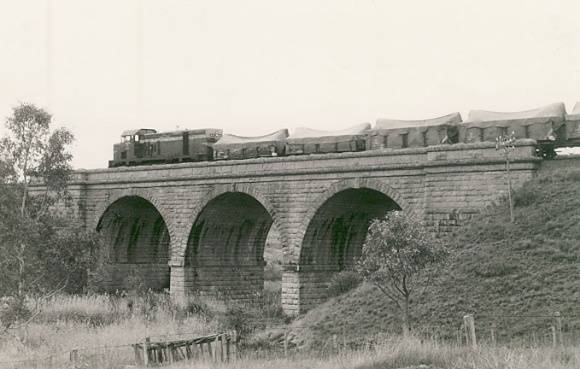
[550, 126]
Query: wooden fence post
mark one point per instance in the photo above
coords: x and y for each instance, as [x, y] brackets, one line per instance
[235, 346]
[492, 331]
[146, 351]
[74, 357]
[285, 342]
[200, 350]
[228, 351]
[212, 348]
[469, 323]
[559, 336]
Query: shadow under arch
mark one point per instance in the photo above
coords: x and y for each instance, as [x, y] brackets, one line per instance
[334, 236]
[225, 247]
[137, 244]
[370, 183]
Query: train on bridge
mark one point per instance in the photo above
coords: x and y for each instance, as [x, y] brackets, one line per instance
[550, 126]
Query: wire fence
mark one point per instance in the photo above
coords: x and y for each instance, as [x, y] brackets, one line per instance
[556, 330]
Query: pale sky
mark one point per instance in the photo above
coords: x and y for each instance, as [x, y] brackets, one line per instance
[253, 67]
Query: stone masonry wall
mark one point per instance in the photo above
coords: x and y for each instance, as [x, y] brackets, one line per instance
[444, 185]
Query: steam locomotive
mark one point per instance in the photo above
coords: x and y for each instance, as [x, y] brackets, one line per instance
[550, 126]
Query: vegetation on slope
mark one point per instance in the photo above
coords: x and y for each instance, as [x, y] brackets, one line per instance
[511, 275]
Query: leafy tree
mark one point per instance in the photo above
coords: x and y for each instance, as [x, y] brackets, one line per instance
[40, 249]
[396, 250]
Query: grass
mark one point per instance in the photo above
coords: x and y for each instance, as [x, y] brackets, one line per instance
[381, 352]
[498, 271]
[92, 321]
[102, 327]
[397, 352]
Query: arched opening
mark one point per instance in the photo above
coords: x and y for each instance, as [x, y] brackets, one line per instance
[225, 248]
[137, 246]
[335, 235]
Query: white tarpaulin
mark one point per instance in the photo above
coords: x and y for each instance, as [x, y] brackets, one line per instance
[304, 132]
[228, 139]
[576, 110]
[557, 110]
[452, 118]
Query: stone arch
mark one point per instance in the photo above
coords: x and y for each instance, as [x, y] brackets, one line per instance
[352, 183]
[114, 196]
[137, 245]
[211, 194]
[334, 229]
[226, 240]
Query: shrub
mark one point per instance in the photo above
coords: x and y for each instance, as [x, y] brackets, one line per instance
[12, 310]
[525, 196]
[491, 270]
[574, 176]
[199, 308]
[343, 282]
[238, 317]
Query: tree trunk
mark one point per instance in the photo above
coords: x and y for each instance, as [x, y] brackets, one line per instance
[406, 317]
[509, 181]
[21, 270]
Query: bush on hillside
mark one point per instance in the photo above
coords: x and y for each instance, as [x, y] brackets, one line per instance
[343, 282]
[525, 196]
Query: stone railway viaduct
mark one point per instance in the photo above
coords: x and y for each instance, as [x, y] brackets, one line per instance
[203, 226]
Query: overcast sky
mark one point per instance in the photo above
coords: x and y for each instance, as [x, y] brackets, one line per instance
[252, 67]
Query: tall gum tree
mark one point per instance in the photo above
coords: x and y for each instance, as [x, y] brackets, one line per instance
[36, 245]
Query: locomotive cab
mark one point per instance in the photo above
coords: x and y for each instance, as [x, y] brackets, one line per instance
[135, 135]
[129, 150]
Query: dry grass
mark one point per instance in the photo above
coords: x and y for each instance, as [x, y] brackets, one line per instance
[96, 324]
[91, 322]
[412, 353]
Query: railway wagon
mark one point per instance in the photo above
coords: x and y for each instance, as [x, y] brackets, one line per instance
[573, 127]
[400, 134]
[239, 147]
[147, 146]
[545, 124]
[312, 141]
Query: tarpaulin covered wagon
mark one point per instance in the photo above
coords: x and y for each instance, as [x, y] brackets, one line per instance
[543, 124]
[573, 126]
[312, 141]
[238, 147]
[397, 133]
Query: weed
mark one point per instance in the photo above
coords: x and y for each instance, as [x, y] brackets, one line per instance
[343, 282]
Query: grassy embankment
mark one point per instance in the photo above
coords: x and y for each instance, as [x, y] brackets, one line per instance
[507, 274]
